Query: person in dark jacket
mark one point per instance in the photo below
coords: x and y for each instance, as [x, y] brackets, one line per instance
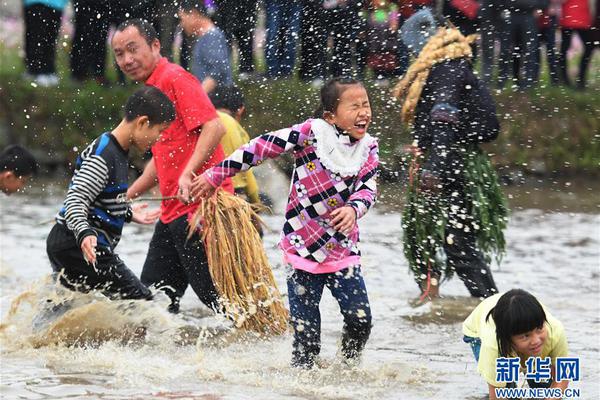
[450, 113]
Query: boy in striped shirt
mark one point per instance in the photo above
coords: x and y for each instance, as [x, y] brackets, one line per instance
[88, 227]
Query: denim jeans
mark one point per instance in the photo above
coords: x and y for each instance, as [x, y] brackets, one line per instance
[283, 26]
[475, 344]
[305, 290]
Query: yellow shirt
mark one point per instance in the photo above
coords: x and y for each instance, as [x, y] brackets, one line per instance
[476, 326]
[235, 137]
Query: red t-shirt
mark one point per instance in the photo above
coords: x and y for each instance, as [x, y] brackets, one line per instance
[176, 145]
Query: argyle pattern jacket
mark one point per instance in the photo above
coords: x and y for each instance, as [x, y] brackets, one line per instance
[315, 191]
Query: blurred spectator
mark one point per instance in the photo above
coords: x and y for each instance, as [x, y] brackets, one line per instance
[344, 23]
[313, 39]
[491, 22]
[576, 18]
[591, 41]
[237, 19]
[283, 25]
[42, 22]
[210, 60]
[382, 40]
[520, 30]
[229, 102]
[88, 54]
[547, 26]
[463, 14]
[93, 19]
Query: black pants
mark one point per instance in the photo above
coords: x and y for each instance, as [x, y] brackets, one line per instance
[41, 32]
[520, 31]
[88, 55]
[110, 275]
[237, 19]
[313, 41]
[547, 36]
[462, 254]
[589, 46]
[174, 261]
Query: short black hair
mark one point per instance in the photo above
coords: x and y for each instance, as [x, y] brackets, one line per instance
[228, 97]
[19, 160]
[149, 101]
[193, 5]
[516, 312]
[144, 27]
[331, 92]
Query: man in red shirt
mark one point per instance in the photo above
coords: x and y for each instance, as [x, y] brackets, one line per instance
[189, 146]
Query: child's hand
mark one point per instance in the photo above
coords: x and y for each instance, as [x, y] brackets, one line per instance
[201, 188]
[142, 216]
[343, 219]
[88, 248]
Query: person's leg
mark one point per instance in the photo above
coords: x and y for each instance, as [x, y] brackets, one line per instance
[167, 25]
[341, 61]
[98, 34]
[312, 37]
[304, 294]
[162, 268]
[551, 54]
[462, 255]
[118, 281]
[585, 58]
[505, 60]
[246, 14]
[291, 29]
[192, 257]
[79, 50]
[67, 261]
[53, 19]
[348, 288]
[110, 274]
[565, 43]
[272, 44]
[530, 51]
[33, 31]
[469, 263]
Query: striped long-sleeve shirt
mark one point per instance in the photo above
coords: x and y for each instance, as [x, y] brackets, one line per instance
[316, 190]
[96, 203]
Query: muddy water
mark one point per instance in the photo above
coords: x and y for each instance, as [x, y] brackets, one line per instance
[414, 353]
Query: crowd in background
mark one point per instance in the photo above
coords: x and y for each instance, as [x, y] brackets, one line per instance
[323, 38]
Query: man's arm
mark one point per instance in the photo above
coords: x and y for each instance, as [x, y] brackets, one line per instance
[212, 133]
[145, 182]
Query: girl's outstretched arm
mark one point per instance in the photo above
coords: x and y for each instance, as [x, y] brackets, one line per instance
[365, 191]
[269, 145]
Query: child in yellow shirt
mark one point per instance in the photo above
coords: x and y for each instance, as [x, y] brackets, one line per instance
[229, 102]
[514, 324]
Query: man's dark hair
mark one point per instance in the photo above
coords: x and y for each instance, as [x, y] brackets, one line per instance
[150, 102]
[18, 160]
[144, 27]
[228, 97]
[193, 5]
[331, 93]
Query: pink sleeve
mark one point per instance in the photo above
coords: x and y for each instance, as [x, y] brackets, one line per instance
[269, 145]
[366, 187]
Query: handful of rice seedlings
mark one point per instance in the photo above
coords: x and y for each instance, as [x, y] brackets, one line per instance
[238, 264]
[425, 216]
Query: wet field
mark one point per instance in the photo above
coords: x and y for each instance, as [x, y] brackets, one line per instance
[413, 353]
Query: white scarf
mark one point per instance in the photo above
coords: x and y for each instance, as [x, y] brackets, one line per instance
[336, 152]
